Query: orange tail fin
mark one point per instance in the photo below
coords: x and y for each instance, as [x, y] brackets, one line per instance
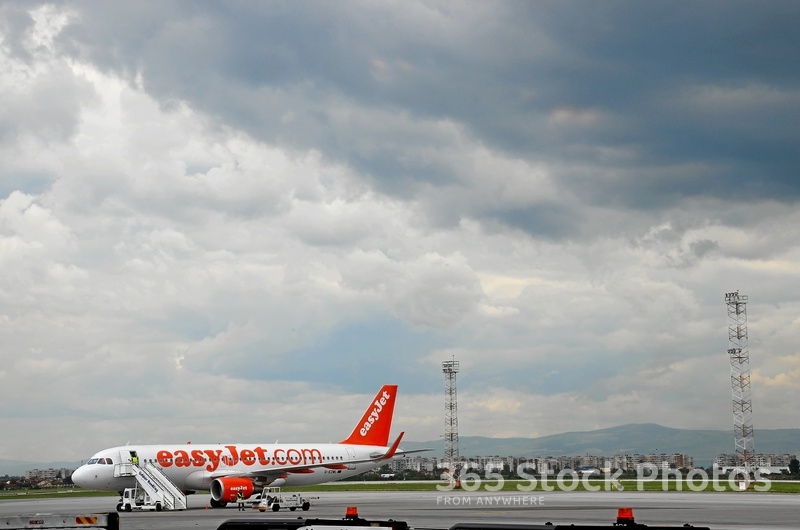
[375, 424]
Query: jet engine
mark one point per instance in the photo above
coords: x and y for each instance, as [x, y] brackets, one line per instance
[225, 489]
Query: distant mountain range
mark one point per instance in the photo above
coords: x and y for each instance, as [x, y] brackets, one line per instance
[641, 438]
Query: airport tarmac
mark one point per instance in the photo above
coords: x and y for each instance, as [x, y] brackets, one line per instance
[435, 510]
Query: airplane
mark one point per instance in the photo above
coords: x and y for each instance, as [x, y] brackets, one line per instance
[227, 469]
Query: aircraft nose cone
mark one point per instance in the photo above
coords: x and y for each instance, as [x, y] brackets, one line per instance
[80, 476]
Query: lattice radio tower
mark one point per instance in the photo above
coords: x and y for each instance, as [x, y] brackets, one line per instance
[450, 369]
[743, 438]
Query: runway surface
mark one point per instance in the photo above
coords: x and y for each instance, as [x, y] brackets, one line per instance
[434, 510]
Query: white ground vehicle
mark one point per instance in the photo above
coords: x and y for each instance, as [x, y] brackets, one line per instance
[138, 499]
[153, 490]
[273, 499]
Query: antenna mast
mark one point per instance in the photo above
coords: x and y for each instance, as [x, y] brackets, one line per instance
[450, 369]
[743, 437]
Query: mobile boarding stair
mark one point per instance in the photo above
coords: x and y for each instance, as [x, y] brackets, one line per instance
[155, 484]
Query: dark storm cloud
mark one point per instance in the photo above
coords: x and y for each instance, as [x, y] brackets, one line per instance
[665, 101]
[541, 220]
[705, 84]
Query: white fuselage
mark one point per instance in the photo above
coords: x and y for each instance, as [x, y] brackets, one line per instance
[194, 466]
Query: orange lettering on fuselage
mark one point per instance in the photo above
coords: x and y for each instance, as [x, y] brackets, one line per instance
[294, 456]
[263, 457]
[164, 458]
[182, 459]
[212, 458]
[312, 456]
[198, 459]
[233, 458]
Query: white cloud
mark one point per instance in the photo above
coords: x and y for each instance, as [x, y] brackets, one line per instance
[180, 243]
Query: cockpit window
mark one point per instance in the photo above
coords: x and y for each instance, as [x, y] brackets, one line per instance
[105, 461]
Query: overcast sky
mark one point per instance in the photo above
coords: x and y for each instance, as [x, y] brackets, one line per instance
[235, 221]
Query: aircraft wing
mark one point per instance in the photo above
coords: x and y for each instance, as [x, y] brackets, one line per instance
[400, 452]
[273, 472]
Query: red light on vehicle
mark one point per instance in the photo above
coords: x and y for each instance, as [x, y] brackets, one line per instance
[351, 512]
[624, 515]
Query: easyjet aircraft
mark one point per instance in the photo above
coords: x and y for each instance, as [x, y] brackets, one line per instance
[226, 469]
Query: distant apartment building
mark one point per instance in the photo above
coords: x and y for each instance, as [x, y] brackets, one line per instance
[663, 461]
[419, 464]
[770, 463]
[552, 465]
[607, 464]
[48, 474]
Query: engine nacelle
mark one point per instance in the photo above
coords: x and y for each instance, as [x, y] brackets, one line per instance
[225, 489]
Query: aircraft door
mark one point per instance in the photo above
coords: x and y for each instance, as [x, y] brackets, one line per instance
[124, 468]
[351, 455]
